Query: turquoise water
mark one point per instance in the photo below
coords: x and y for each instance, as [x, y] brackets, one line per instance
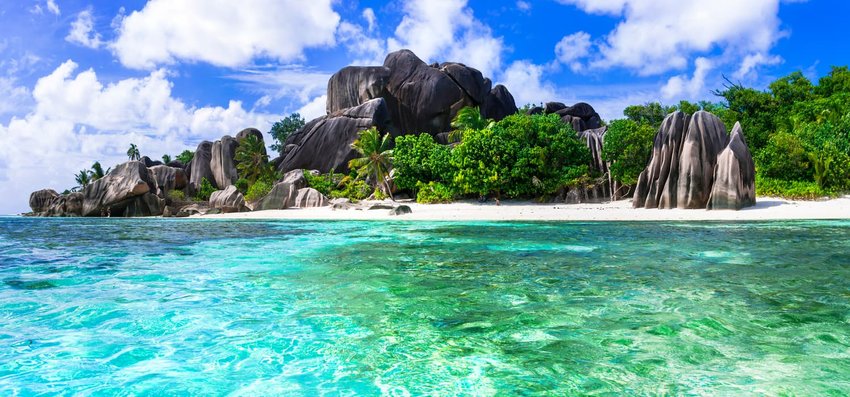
[248, 308]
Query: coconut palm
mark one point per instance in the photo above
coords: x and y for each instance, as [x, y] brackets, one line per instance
[251, 159]
[468, 118]
[83, 178]
[166, 158]
[97, 171]
[133, 152]
[377, 158]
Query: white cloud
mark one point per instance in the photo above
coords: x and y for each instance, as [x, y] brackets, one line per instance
[223, 33]
[53, 8]
[12, 96]
[656, 36]
[447, 30]
[82, 31]
[315, 108]
[77, 119]
[523, 5]
[295, 82]
[753, 61]
[368, 49]
[371, 20]
[572, 48]
[681, 85]
[526, 82]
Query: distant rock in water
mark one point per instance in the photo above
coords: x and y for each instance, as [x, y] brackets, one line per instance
[168, 179]
[683, 172]
[125, 191]
[40, 200]
[734, 175]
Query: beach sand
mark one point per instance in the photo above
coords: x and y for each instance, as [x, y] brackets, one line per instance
[767, 208]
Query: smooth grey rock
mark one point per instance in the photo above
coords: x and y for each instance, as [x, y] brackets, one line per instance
[70, 204]
[40, 199]
[470, 80]
[734, 175]
[192, 209]
[295, 178]
[310, 198]
[400, 210]
[282, 196]
[381, 206]
[353, 86]
[552, 107]
[658, 183]
[324, 144]
[499, 104]
[199, 167]
[228, 200]
[150, 163]
[223, 163]
[705, 139]
[120, 193]
[167, 179]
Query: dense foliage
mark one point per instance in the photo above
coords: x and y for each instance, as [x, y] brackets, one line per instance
[185, 157]
[418, 158]
[628, 145]
[251, 159]
[283, 129]
[376, 158]
[205, 191]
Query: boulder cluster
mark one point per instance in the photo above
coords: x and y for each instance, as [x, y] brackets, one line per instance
[695, 163]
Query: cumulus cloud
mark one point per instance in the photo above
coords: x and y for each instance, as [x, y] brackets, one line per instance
[680, 85]
[223, 33]
[526, 82]
[82, 31]
[656, 36]
[315, 108]
[523, 5]
[51, 6]
[77, 119]
[572, 48]
[447, 30]
[753, 61]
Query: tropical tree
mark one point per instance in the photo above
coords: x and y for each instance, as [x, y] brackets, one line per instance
[83, 178]
[376, 160]
[185, 156]
[166, 158]
[133, 152]
[468, 118]
[283, 129]
[97, 171]
[251, 159]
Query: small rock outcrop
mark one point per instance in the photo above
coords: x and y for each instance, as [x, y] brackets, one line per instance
[223, 163]
[324, 144]
[125, 191]
[295, 178]
[282, 196]
[683, 171]
[228, 200]
[734, 175]
[40, 200]
[400, 210]
[199, 167]
[310, 198]
[70, 204]
[167, 179]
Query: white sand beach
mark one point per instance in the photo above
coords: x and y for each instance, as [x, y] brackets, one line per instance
[767, 208]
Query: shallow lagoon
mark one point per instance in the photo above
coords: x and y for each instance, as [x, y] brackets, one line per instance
[177, 307]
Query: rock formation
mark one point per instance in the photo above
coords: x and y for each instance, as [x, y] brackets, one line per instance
[167, 179]
[199, 168]
[309, 198]
[40, 200]
[228, 200]
[70, 204]
[324, 144]
[734, 175]
[295, 178]
[282, 196]
[223, 163]
[683, 171]
[125, 191]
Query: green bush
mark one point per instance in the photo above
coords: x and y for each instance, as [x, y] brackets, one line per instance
[784, 158]
[628, 145]
[259, 189]
[242, 185]
[418, 158]
[177, 195]
[800, 190]
[434, 192]
[352, 189]
[324, 183]
[205, 191]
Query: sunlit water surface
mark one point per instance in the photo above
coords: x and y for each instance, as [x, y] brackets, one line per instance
[185, 307]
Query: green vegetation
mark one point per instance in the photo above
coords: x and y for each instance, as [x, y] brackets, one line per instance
[376, 160]
[133, 152]
[177, 195]
[83, 179]
[340, 185]
[97, 171]
[259, 189]
[434, 193]
[283, 129]
[166, 158]
[205, 190]
[628, 146]
[418, 158]
[325, 184]
[252, 160]
[185, 157]
[468, 118]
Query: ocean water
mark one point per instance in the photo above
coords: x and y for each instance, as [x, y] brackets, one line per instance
[92, 307]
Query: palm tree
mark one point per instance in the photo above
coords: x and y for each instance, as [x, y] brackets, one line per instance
[468, 118]
[166, 158]
[97, 171]
[133, 152]
[377, 158]
[251, 159]
[83, 178]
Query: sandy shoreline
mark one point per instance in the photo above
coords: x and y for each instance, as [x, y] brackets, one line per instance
[767, 208]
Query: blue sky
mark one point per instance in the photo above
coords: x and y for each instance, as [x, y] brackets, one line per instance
[80, 80]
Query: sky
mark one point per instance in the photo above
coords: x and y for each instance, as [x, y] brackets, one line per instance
[81, 80]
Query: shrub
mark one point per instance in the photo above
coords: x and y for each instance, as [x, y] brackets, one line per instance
[176, 195]
[418, 158]
[434, 192]
[800, 190]
[259, 189]
[784, 158]
[205, 190]
[627, 147]
[324, 183]
[242, 185]
[352, 189]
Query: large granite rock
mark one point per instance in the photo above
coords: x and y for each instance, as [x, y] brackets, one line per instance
[199, 168]
[734, 175]
[70, 204]
[282, 196]
[601, 189]
[310, 198]
[228, 200]
[658, 183]
[694, 164]
[126, 191]
[167, 179]
[499, 104]
[150, 163]
[324, 144]
[223, 163]
[40, 200]
[705, 139]
[355, 85]
[295, 178]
